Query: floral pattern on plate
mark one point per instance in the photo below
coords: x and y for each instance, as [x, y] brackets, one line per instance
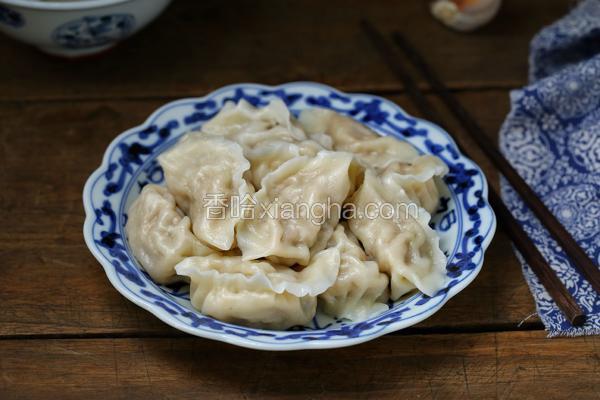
[465, 222]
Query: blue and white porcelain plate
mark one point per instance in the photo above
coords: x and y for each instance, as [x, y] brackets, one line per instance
[465, 221]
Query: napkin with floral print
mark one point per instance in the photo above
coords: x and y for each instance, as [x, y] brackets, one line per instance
[552, 138]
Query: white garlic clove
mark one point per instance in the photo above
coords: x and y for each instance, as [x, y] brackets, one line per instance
[465, 15]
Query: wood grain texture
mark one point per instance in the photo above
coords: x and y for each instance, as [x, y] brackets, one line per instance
[197, 46]
[53, 286]
[66, 333]
[510, 365]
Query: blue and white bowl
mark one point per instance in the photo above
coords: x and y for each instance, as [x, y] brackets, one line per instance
[76, 28]
[465, 221]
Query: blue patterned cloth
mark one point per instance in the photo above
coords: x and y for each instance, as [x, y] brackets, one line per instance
[552, 138]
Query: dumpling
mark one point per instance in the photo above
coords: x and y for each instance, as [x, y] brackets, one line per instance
[380, 152]
[346, 134]
[415, 174]
[325, 233]
[312, 280]
[418, 179]
[420, 169]
[360, 290]
[269, 136]
[399, 159]
[257, 293]
[324, 140]
[245, 123]
[159, 234]
[206, 174]
[356, 176]
[287, 220]
[342, 130]
[403, 244]
[267, 156]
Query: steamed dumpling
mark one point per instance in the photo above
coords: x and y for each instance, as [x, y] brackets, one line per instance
[257, 293]
[267, 156]
[360, 290]
[404, 245]
[262, 241]
[418, 179]
[289, 205]
[342, 130]
[205, 173]
[269, 136]
[416, 176]
[159, 234]
[380, 152]
[398, 160]
[245, 123]
[325, 233]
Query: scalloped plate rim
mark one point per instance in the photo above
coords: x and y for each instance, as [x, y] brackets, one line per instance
[238, 341]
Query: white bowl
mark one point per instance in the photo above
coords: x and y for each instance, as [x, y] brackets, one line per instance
[76, 28]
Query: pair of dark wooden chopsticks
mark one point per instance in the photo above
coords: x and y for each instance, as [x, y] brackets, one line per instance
[534, 258]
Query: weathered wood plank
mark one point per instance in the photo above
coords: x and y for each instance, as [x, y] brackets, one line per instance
[52, 285]
[509, 365]
[197, 46]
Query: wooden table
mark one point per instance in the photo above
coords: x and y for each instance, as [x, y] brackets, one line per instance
[66, 333]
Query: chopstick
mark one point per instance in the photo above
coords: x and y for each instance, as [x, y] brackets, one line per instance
[563, 237]
[529, 251]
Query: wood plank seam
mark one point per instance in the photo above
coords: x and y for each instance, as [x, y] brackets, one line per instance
[396, 91]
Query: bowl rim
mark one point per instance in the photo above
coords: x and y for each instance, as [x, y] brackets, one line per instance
[63, 5]
[302, 345]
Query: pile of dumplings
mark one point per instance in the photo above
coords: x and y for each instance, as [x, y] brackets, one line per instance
[271, 272]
